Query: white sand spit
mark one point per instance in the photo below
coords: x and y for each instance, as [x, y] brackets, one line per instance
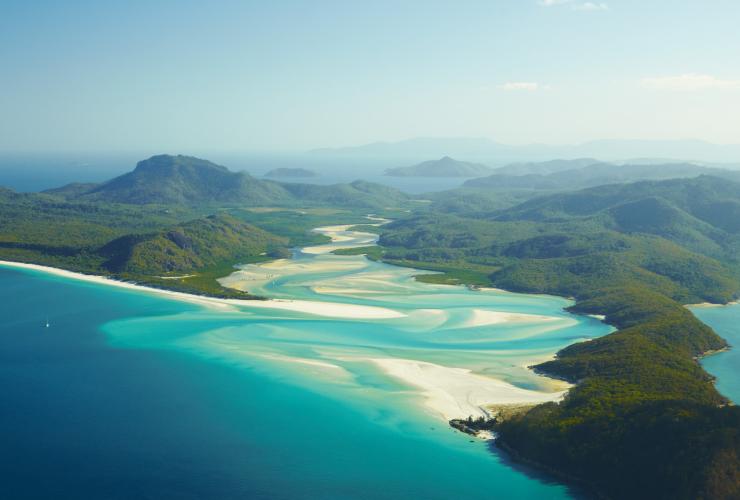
[222, 304]
[303, 361]
[458, 392]
[328, 309]
[482, 317]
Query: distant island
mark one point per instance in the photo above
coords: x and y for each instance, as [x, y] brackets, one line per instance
[444, 167]
[175, 222]
[479, 147]
[572, 174]
[189, 181]
[303, 173]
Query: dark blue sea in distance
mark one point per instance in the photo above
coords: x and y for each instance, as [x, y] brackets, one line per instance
[27, 172]
[81, 418]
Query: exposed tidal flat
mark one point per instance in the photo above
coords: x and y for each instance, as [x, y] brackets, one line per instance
[339, 388]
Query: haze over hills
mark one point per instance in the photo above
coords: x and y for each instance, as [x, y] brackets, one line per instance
[488, 150]
[595, 174]
[421, 148]
[444, 167]
[285, 172]
[701, 213]
[545, 167]
[182, 179]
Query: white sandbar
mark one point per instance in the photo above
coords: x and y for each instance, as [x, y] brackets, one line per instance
[482, 317]
[326, 309]
[458, 392]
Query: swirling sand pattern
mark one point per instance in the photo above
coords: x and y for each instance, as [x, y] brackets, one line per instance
[355, 328]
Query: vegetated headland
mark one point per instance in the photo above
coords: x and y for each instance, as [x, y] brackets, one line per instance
[635, 252]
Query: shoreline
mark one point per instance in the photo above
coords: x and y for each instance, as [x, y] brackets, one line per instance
[323, 309]
[707, 305]
[204, 300]
[712, 352]
[459, 393]
[447, 391]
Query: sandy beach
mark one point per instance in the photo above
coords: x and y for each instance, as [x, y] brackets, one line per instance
[325, 309]
[482, 317]
[358, 239]
[446, 391]
[711, 304]
[211, 302]
[458, 392]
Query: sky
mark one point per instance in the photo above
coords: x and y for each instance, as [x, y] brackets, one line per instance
[80, 75]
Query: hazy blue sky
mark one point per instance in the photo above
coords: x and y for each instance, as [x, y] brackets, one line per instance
[238, 75]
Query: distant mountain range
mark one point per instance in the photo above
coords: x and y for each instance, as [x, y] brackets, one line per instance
[185, 180]
[546, 167]
[278, 173]
[583, 173]
[487, 150]
[444, 167]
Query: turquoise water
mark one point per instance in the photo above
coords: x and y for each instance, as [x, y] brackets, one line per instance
[724, 365]
[134, 394]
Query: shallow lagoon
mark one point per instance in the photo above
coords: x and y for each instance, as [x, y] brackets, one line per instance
[181, 400]
[725, 320]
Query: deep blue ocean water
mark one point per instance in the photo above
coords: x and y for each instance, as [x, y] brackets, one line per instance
[83, 419]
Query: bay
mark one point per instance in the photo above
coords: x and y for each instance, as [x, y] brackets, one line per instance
[131, 394]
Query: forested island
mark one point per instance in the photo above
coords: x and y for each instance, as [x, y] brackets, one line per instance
[635, 252]
[175, 222]
[444, 167]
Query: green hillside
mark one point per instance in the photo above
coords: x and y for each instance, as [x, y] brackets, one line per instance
[444, 167]
[198, 244]
[552, 176]
[643, 408]
[358, 194]
[699, 213]
[546, 167]
[143, 244]
[166, 179]
[187, 181]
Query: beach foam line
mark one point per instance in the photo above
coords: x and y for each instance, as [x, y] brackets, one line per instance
[211, 302]
[458, 392]
[325, 309]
